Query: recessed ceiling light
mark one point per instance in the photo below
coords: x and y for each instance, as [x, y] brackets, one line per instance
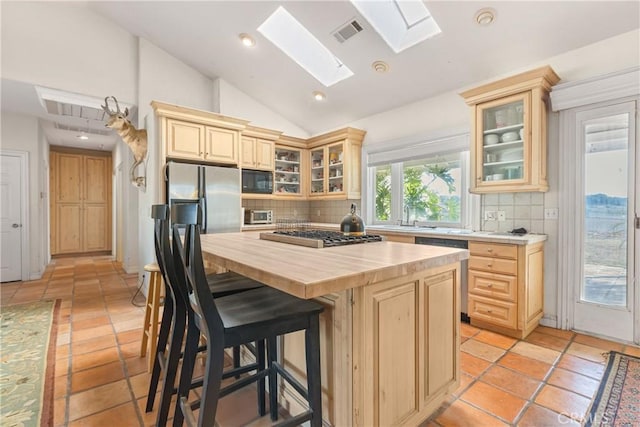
[82, 137]
[319, 96]
[485, 16]
[247, 40]
[380, 66]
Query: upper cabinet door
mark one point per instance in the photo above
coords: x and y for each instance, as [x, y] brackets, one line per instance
[222, 145]
[503, 141]
[264, 154]
[317, 172]
[96, 175]
[248, 152]
[69, 183]
[185, 140]
[509, 133]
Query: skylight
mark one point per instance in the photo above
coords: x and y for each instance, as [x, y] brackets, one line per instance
[290, 36]
[401, 23]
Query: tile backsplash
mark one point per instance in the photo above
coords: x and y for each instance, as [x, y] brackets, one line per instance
[521, 210]
[330, 211]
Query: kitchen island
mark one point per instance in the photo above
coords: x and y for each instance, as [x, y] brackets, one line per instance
[390, 330]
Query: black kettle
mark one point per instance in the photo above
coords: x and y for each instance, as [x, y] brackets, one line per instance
[352, 224]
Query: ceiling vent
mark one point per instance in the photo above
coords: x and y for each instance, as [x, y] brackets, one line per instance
[347, 31]
[79, 129]
[73, 110]
[69, 104]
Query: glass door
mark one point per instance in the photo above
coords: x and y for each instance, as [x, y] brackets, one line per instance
[504, 140]
[317, 172]
[605, 296]
[287, 172]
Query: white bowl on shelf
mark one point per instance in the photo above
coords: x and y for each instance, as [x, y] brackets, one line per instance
[491, 139]
[509, 137]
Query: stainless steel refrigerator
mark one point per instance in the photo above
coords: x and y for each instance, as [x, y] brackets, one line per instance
[215, 189]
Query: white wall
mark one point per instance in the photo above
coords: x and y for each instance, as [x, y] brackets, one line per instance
[20, 133]
[448, 112]
[235, 103]
[163, 78]
[64, 45]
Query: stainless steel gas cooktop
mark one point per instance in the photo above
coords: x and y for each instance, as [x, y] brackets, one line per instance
[318, 238]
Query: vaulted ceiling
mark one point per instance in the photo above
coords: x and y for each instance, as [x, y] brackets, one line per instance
[204, 35]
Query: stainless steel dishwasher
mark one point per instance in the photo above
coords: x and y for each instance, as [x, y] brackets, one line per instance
[453, 243]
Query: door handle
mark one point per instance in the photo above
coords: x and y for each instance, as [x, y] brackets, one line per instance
[16, 225]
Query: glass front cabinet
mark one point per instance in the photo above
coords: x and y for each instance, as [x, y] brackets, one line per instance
[509, 133]
[288, 172]
[334, 165]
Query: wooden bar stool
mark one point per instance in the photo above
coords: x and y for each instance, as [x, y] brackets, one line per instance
[257, 315]
[152, 313]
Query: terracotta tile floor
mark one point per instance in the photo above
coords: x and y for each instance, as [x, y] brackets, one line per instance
[548, 379]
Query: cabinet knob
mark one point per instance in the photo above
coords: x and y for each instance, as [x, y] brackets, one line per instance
[201, 153]
[489, 250]
[489, 311]
[490, 285]
[489, 265]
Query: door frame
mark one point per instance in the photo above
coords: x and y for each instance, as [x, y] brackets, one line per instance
[23, 156]
[570, 253]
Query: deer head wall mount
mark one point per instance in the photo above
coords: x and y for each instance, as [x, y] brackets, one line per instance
[136, 139]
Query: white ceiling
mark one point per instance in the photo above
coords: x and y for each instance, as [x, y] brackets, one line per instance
[204, 35]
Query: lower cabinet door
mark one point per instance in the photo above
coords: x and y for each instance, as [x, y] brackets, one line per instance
[500, 313]
[69, 228]
[96, 237]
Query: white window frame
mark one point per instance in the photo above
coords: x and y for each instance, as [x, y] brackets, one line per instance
[395, 153]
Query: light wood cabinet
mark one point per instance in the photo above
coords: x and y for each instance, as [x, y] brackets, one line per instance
[80, 201]
[509, 133]
[190, 134]
[287, 182]
[221, 145]
[417, 317]
[418, 321]
[506, 287]
[258, 147]
[185, 140]
[334, 164]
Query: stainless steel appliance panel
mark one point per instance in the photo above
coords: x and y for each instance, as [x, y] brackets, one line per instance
[223, 199]
[216, 189]
[184, 181]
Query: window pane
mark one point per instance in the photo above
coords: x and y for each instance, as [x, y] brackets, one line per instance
[605, 215]
[432, 189]
[383, 193]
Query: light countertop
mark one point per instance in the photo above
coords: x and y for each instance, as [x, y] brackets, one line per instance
[311, 272]
[443, 233]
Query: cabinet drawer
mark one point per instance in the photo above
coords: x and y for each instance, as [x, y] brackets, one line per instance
[493, 250]
[499, 313]
[493, 285]
[493, 265]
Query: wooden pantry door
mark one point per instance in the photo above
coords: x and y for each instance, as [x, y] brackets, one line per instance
[80, 201]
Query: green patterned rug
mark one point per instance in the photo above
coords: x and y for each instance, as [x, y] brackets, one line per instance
[27, 363]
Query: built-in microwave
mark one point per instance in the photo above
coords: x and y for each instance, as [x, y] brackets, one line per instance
[257, 182]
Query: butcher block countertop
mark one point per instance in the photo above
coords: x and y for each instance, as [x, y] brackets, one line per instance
[310, 272]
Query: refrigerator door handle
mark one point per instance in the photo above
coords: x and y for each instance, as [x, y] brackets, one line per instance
[203, 210]
[202, 190]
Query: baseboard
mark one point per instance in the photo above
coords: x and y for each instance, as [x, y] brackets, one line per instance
[551, 322]
[130, 269]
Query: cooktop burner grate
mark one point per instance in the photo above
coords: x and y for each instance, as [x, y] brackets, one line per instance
[318, 238]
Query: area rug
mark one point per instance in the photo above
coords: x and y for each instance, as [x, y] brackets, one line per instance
[617, 402]
[27, 363]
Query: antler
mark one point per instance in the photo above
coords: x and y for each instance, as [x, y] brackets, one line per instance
[109, 111]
